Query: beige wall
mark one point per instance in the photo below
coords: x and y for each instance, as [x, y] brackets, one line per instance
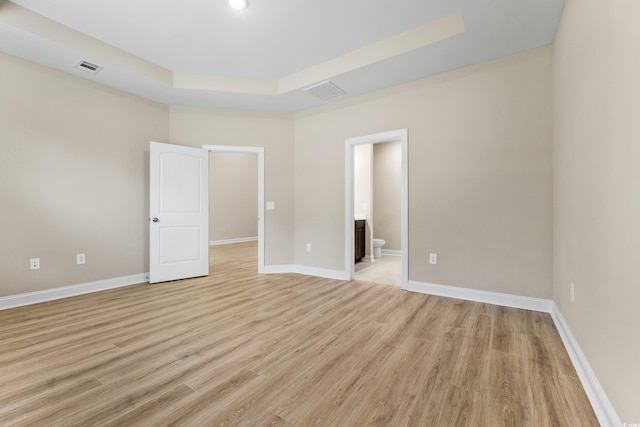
[274, 132]
[73, 178]
[596, 190]
[387, 193]
[74, 173]
[479, 193]
[233, 195]
[480, 186]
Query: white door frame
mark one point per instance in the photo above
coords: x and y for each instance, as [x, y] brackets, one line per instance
[260, 152]
[401, 135]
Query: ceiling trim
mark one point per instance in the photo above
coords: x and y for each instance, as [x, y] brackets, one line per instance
[431, 32]
[225, 84]
[458, 34]
[96, 50]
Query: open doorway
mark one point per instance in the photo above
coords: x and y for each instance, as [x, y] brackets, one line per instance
[378, 209]
[236, 210]
[357, 211]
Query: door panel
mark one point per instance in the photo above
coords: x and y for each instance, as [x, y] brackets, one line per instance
[179, 208]
[179, 244]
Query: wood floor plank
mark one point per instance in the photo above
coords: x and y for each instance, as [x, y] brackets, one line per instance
[154, 409]
[461, 407]
[239, 348]
[20, 405]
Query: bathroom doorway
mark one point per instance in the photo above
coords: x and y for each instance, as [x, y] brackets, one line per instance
[377, 198]
[382, 158]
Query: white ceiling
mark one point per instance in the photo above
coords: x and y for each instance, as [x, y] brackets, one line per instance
[202, 53]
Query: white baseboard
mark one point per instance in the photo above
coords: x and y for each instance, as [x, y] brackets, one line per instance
[276, 269]
[602, 407]
[391, 252]
[306, 270]
[597, 397]
[607, 416]
[238, 240]
[508, 300]
[70, 291]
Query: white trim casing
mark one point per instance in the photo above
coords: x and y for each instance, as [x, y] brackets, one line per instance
[602, 407]
[496, 298]
[391, 252]
[600, 403]
[29, 298]
[306, 270]
[229, 241]
[401, 135]
[19, 300]
[260, 152]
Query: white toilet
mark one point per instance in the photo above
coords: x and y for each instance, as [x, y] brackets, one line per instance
[377, 247]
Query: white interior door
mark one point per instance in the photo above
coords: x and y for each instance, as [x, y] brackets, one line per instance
[179, 212]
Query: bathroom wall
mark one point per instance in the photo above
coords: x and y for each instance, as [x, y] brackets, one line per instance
[363, 188]
[387, 193]
[233, 196]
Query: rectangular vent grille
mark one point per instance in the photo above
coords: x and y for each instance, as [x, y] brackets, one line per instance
[89, 67]
[325, 90]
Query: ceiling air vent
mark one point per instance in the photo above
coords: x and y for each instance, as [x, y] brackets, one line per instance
[89, 67]
[325, 90]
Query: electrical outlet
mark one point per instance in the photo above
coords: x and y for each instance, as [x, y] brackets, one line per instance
[433, 258]
[308, 247]
[572, 291]
[80, 259]
[271, 206]
[34, 263]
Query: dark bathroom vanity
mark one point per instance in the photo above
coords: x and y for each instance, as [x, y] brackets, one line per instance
[360, 240]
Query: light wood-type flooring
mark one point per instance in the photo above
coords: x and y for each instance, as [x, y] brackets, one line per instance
[238, 348]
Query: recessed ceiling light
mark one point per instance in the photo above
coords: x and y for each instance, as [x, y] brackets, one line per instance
[239, 4]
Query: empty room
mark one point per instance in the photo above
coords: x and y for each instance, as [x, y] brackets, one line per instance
[337, 213]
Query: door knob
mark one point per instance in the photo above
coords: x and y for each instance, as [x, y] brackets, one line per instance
[155, 219]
